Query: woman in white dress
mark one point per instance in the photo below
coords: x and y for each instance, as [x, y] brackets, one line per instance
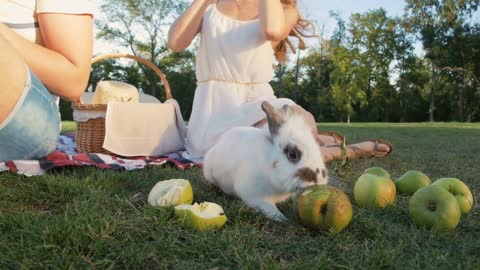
[239, 42]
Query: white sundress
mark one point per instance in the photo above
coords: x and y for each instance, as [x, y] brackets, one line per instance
[234, 66]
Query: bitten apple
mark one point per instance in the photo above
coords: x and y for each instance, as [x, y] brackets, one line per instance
[203, 216]
[171, 192]
[324, 207]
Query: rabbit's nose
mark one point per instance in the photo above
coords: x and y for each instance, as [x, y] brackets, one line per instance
[324, 172]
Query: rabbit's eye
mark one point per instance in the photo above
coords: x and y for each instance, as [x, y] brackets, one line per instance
[292, 153]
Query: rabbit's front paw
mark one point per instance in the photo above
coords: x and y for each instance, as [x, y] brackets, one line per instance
[279, 218]
[270, 210]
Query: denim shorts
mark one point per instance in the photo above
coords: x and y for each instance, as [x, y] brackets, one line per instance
[32, 129]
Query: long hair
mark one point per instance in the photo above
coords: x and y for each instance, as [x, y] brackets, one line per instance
[299, 31]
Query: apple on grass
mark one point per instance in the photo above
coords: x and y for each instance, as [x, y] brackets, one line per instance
[170, 193]
[378, 172]
[412, 181]
[374, 191]
[458, 189]
[435, 208]
[203, 216]
[324, 207]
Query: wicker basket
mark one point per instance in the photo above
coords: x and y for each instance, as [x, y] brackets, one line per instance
[90, 134]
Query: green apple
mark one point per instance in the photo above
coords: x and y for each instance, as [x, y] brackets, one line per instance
[459, 190]
[324, 207]
[171, 192]
[377, 171]
[434, 207]
[374, 191]
[412, 181]
[203, 216]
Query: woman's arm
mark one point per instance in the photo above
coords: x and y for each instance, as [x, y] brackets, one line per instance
[273, 28]
[185, 28]
[63, 65]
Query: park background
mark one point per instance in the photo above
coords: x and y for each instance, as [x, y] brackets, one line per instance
[370, 61]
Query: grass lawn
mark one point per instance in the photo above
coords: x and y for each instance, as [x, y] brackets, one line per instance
[88, 218]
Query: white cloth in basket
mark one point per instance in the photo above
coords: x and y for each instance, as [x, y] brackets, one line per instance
[87, 98]
[144, 129]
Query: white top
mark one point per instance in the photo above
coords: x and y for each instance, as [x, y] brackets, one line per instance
[20, 15]
[234, 66]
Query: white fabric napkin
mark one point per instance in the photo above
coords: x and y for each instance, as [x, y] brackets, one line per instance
[144, 129]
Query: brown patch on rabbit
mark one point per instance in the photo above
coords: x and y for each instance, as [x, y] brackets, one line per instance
[307, 175]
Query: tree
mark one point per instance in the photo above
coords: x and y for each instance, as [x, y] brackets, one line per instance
[141, 27]
[434, 21]
[347, 74]
[373, 36]
[362, 55]
[414, 76]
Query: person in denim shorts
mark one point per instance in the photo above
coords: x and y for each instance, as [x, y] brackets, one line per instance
[45, 53]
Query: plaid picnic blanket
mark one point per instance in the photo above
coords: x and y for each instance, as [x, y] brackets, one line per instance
[66, 155]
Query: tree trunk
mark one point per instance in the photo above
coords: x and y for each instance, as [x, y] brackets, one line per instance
[366, 110]
[349, 109]
[463, 89]
[281, 72]
[386, 108]
[431, 109]
[296, 77]
[461, 102]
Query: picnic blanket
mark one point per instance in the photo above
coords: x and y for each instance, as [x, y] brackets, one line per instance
[67, 155]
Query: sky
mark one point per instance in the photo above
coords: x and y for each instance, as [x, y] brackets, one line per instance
[317, 11]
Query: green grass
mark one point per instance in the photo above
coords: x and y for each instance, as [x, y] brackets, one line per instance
[68, 126]
[88, 218]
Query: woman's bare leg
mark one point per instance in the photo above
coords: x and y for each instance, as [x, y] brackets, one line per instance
[12, 78]
[331, 149]
[355, 151]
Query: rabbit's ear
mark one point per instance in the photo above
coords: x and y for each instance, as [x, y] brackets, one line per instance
[274, 118]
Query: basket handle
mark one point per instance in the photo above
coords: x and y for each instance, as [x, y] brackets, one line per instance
[149, 64]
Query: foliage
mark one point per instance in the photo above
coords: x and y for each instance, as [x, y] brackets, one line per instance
[444, 27]
[368, 70]
[140, 27]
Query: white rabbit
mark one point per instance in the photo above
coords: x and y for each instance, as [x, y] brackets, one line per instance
[264, 166]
